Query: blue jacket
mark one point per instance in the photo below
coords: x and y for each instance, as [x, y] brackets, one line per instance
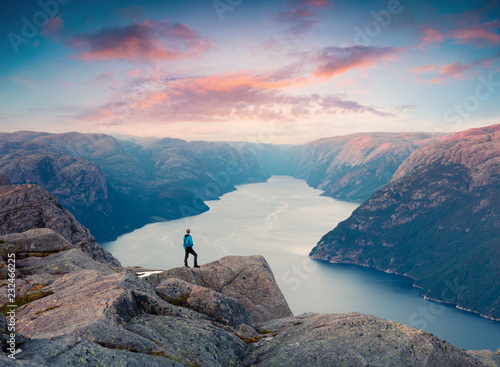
[188, 241]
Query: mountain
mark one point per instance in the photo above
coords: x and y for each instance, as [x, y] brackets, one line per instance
[114, 187]
[438, 221]
[27, 207]
[353, 167]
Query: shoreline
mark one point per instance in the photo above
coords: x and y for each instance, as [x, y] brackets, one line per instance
[387, 271]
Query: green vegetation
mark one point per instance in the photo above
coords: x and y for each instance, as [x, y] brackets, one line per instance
[29, 297]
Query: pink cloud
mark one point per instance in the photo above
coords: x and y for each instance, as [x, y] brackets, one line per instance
[423, 69]
[458, 70]
[54, 28]
[337, 60]
[239, 96]
[479, 34]
[148, 40]
[134, 73]
[316, 3]
[430, 36]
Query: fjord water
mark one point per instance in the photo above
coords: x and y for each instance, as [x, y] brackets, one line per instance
[283, 219]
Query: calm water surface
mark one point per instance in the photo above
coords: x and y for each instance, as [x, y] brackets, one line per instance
[283, 219]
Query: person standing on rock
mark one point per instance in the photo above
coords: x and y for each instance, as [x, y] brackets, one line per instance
[188, 248]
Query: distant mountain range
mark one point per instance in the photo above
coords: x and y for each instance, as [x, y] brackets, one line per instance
[431, 209]
[115, 186]
[438, 221]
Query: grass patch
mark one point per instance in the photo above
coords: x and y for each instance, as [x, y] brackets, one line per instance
[254, 339]
[181, 301]
[265, 331]
[47, 309]
[28, 298]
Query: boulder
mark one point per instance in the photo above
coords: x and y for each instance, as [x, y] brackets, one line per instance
[43, 240]
[204, 300]
[248, 279]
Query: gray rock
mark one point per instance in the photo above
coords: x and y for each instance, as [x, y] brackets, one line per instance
[87, 353]
[4, 180]
[25, 207]
[194, 342]
[352, 340]
[248, 279]
[43, 240]
[488, 357]
[204, 300]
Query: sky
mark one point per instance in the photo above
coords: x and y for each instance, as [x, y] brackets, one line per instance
[281, 72]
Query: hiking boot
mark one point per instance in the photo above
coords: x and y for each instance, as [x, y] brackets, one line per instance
[187, 266]
[196, 266]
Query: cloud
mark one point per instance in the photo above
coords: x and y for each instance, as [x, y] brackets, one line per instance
[311, 3]
[24, 79]
[458, 70]
[423, 69]
[145, 41]
[54, 28]
[480, 35]
[430, 36]
[229, 97]
[479, 27]
[334, 61]
[301, 16]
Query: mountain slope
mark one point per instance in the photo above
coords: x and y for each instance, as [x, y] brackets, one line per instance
[114, 187]
[26, 207]
[439, 223]
[353, 167]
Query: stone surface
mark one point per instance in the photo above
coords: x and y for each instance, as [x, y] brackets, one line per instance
[352, 340]
[91, 315]
[204, 300]
[248, 279]
[4, 180]
[25, 207]
[43, 240]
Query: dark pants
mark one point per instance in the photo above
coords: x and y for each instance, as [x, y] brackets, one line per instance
[189, 250]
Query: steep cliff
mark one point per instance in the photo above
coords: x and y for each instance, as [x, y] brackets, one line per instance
[353, 167]
[438, 221]
[25, 207]
[76, 311]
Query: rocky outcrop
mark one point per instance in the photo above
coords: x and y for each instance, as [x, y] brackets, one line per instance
[247, 279]
[25, 207]
[352, 340]
[4, 180]
[204, 300]
[353, 167]
[77, 311]
[438, 221]
[40, 241]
